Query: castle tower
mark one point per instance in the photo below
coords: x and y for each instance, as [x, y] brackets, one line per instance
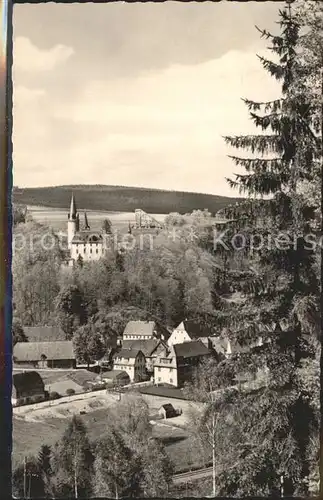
[73, 222]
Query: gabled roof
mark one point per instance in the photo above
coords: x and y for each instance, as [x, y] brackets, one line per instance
[127, 353]
[140, 328]
[87, 237]
[146, 346]
[44, 333]
[27, 380]
[194, 329]
[33, 351]
[190, 349]
[169, 409]
[149, 328]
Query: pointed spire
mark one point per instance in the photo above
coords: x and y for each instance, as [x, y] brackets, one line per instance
[73, 210]
[86, 222]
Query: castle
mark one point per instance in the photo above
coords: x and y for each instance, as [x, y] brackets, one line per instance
[88, 246]
[84, 244]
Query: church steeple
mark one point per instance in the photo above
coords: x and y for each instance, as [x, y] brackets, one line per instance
[73, 210]
[73, 222]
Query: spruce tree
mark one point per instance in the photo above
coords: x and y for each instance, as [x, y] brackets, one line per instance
[279, 287]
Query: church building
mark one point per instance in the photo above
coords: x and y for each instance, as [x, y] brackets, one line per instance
[83, 244]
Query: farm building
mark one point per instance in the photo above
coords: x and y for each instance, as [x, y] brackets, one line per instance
[167, 411]
[27, 387]
[144, 330]
[58, 354]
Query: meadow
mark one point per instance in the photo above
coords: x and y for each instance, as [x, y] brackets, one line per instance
[29, 435]
[57, 218]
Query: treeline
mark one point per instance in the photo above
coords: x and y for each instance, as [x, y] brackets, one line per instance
[120, 199]
[126, 461]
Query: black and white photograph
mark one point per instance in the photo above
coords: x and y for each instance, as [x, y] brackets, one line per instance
[166, 249]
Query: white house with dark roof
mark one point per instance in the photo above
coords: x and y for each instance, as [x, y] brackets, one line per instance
[59, 354]
[131, 361]
[177, 366]
[151, 348]
[144, 330]
[189, 330]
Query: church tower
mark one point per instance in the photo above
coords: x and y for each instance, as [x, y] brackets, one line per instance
[72, 223]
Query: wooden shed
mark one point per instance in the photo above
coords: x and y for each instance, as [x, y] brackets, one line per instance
[167, 411]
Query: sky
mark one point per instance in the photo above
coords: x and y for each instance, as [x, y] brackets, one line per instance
[137, 94]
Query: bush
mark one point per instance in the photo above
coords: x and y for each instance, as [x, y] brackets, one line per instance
[38, 399]
[98, 387]
[70, 392]
[54, 395]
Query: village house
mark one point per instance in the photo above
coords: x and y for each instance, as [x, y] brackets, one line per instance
[144, 330]
[27, 387]
[189, 330]
[59, 354]
[133, 362]
[151, 348]
[177, 366]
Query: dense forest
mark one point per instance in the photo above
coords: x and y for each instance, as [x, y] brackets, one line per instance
[120, 199]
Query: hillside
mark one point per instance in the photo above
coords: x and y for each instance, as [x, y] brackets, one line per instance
[120, 199]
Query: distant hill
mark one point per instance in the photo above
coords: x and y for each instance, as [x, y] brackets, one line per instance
[120, 199]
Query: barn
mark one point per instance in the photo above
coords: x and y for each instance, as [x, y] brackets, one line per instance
[27, 387]
[59, 354]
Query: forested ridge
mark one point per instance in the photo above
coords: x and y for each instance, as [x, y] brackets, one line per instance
[120, 198]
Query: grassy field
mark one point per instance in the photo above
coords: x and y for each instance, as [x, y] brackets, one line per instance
[57, 218]
[46, 426]
[29, 436]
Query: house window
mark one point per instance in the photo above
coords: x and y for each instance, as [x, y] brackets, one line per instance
[171, 369]
[159, 368]
[97, 251]
[171, 380]
[159, 379]
[84, 249]
[77, 250]
[90, 250]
